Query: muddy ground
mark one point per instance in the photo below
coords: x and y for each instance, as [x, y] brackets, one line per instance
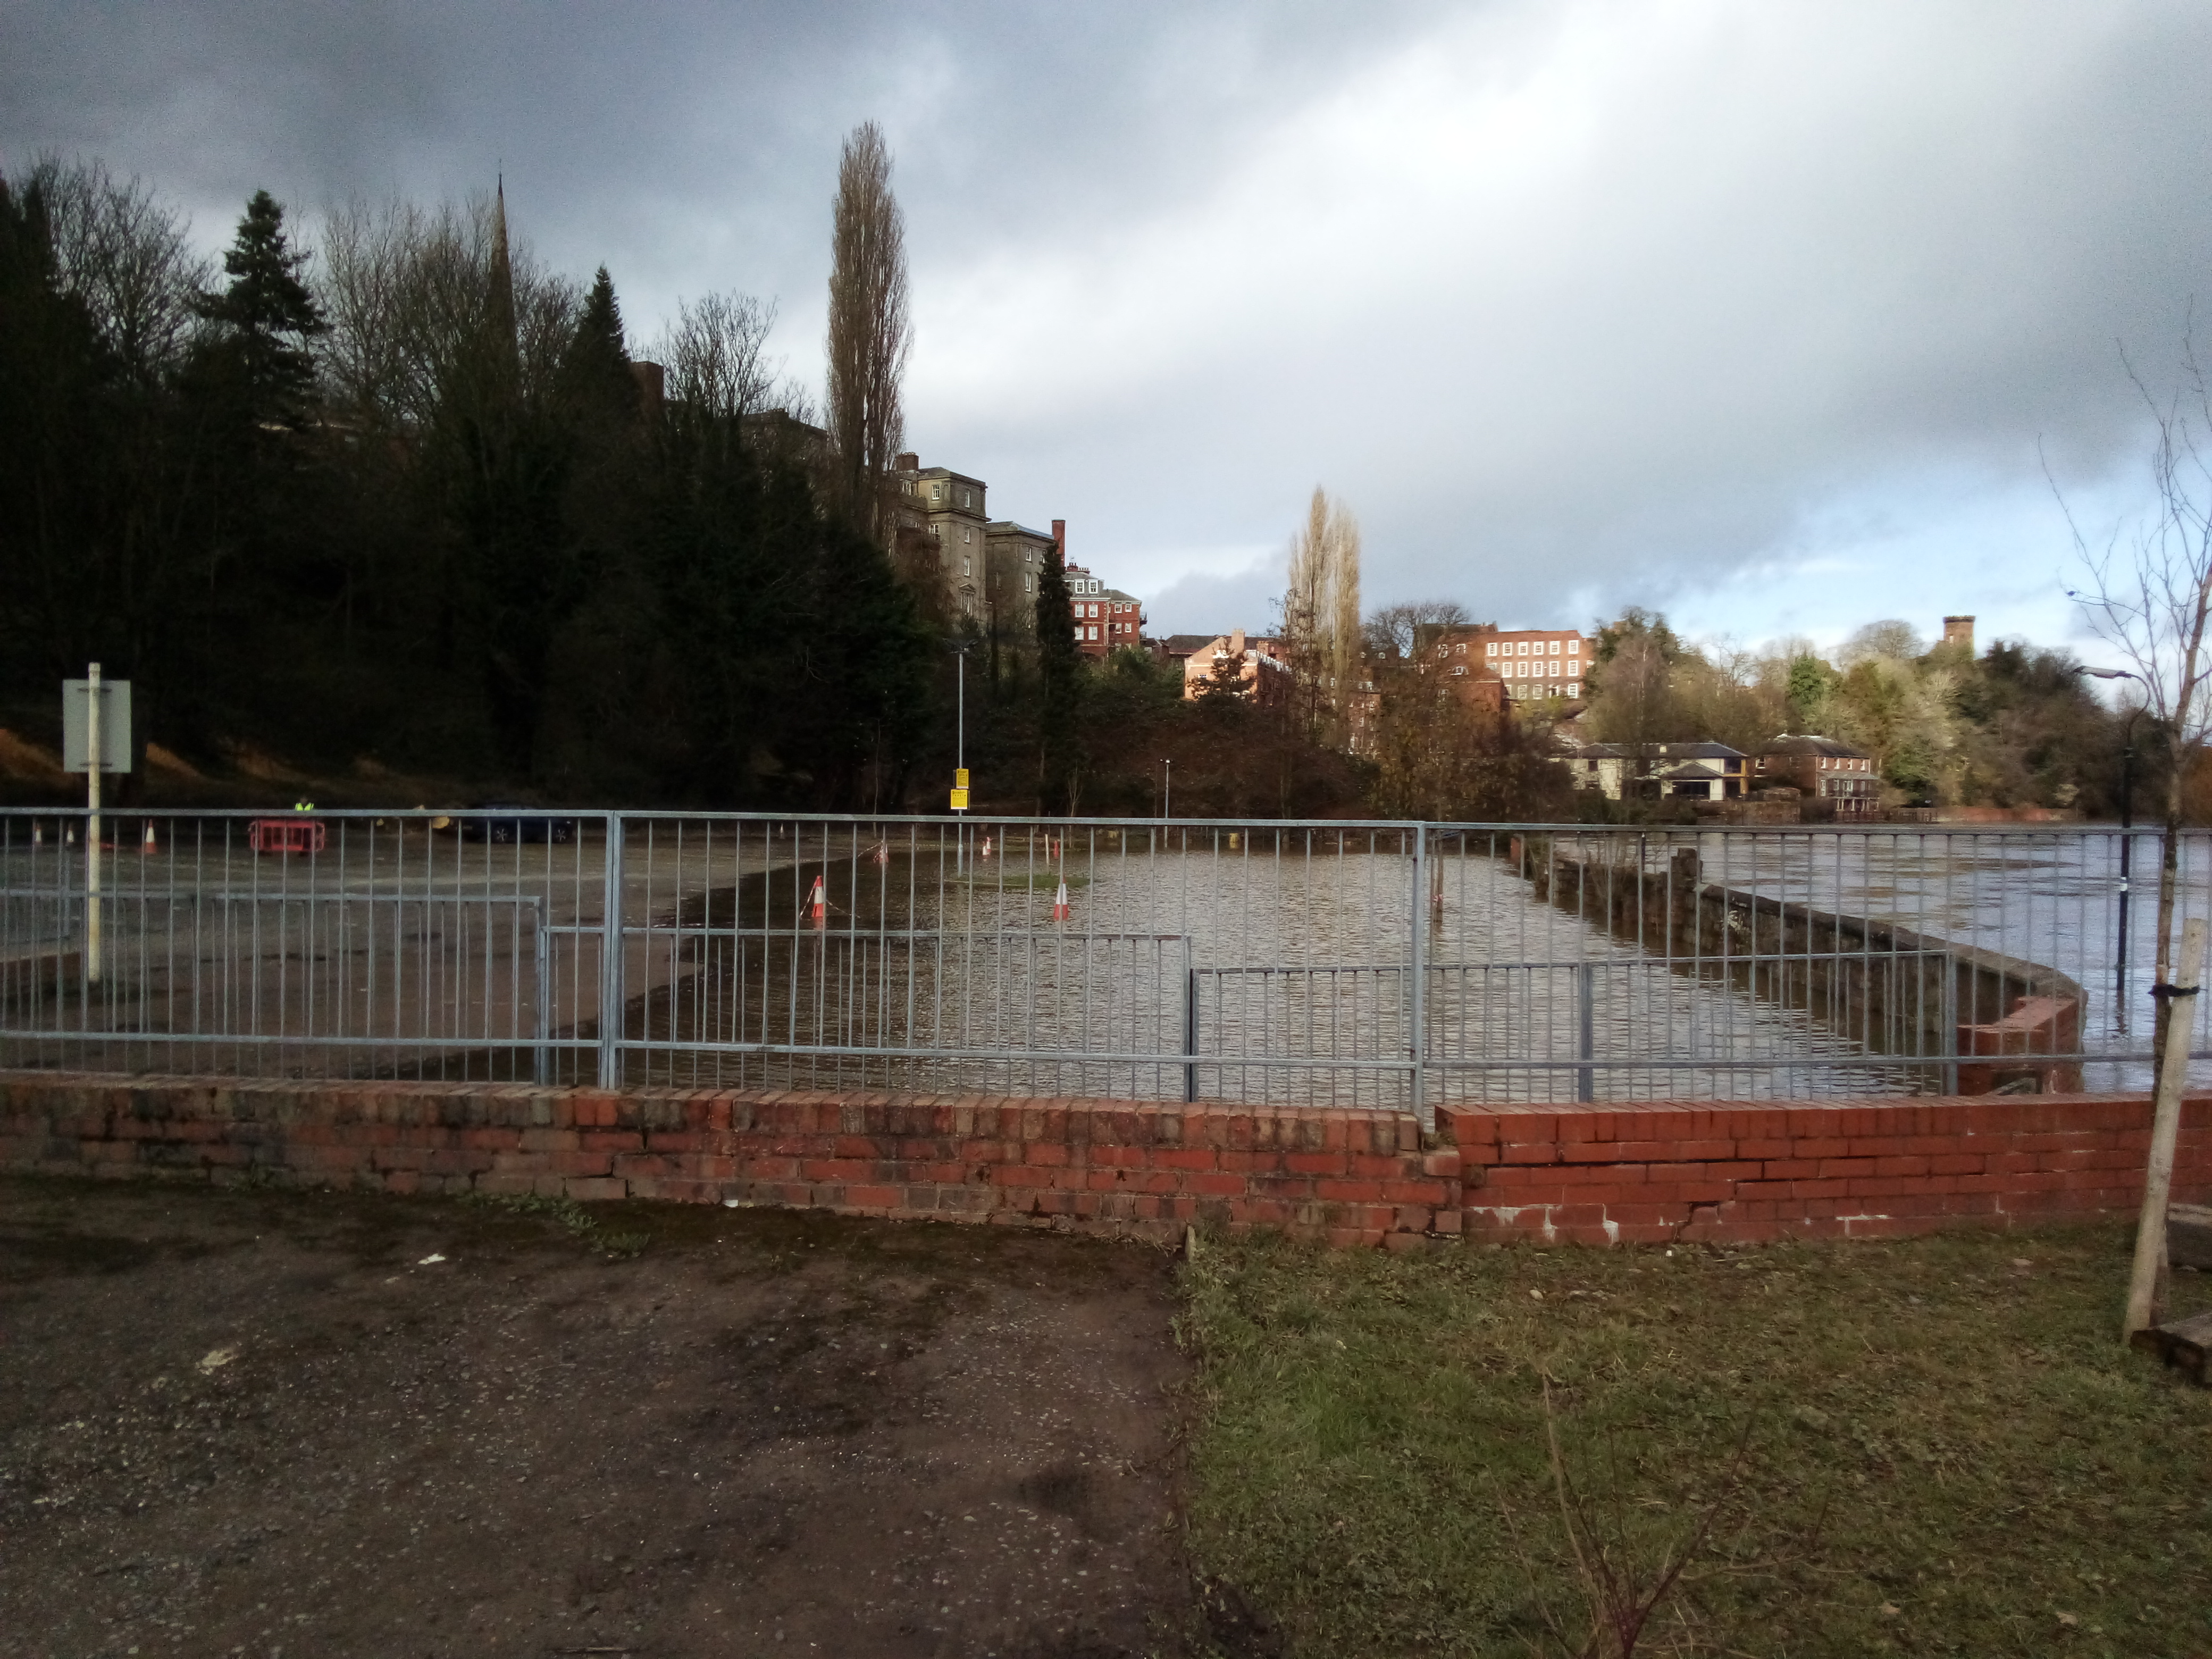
[267, 1423]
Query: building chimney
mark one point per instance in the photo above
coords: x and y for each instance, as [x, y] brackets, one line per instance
[906, 462]
[652, 387]
[1236, 644]
[1060, 537]
[1959, 630]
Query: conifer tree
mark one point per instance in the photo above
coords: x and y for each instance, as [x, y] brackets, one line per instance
[267, 315]
[596, 367]
[1059, 667]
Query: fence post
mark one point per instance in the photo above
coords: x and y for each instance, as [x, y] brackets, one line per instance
[1586, 1000]
[611, 960]
[1189, 1024]
[1949, 1016]
[1418, 1013]
[541, 1068]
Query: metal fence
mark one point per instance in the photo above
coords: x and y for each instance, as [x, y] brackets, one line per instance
[1256, 961]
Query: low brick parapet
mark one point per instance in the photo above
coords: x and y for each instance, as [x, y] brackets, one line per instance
[1669, 1170]
[1633, 1173]
[1094, 1165]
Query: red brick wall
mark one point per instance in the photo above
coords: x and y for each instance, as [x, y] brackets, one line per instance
[1595, 1175]
[1106, 1166]
[1675, 1170]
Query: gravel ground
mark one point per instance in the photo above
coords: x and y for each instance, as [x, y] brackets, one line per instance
[264, 1423]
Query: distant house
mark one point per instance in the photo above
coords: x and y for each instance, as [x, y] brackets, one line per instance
[1820, 769]
[1106, 619]
[1264, 677]
[1689, 771]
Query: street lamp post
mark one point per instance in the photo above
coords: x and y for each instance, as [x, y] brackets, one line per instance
[1167, 792]
[960, 644]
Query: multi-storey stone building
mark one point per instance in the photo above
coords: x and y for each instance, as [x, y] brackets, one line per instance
[940, 520]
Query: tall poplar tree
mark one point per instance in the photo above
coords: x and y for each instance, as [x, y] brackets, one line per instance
[869, 332]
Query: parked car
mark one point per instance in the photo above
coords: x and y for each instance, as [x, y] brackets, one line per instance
[504, 823]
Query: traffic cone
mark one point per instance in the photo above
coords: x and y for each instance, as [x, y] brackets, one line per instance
[1059, 903]
[817, 907]
[38, 833]
[148, 845]
[987, 847]
[880, 854]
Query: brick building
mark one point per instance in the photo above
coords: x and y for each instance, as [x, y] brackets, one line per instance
[1822, 770]
[1265, 676]
[1496, 665]
[1106, 619]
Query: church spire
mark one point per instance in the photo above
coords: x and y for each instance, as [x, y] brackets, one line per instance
[501, 294]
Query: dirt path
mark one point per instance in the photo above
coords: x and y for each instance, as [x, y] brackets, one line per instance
[265, 1423]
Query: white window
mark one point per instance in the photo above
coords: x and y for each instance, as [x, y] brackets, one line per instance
[967, 499]
[1575, 646]
[1491, 650]
[1555, 647]
[1029, 584]
[1459, 671]
[1574, 688]
[966, 567]
[937, 492]
[1461, 648]
[1521, 650]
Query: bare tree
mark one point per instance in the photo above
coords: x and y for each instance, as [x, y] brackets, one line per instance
[1305, 609]
[714, 355]
[1391, 633]
[2148, 593]
[423, 318]
[1892, 639]
[870, 333]
[1344, 643]
[127, 257]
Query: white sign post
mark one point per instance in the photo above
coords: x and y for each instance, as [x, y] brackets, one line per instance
[95, 738]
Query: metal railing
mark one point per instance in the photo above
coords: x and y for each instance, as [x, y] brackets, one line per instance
[1254, 961]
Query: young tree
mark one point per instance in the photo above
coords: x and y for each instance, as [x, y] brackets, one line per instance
[2148, 593]
[869, 331]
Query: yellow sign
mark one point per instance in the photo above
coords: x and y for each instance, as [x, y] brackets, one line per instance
[960, 800]
[959, 777]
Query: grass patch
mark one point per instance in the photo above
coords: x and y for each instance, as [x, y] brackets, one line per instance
[1942, 1451]
[565, 1213]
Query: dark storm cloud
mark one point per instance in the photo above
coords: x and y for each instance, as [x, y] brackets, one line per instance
[1577, 302]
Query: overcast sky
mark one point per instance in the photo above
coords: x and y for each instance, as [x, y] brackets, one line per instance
[1768, 314]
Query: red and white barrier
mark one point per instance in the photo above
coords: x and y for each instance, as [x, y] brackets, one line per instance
[818, 907]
